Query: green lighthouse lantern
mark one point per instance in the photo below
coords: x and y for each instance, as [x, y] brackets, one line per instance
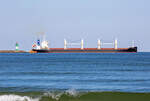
[17, 46]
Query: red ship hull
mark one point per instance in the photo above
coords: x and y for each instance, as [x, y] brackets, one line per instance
[86, 50]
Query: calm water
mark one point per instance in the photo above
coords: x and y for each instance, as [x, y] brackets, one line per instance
[125, 72]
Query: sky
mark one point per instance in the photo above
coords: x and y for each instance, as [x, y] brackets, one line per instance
[126, 20]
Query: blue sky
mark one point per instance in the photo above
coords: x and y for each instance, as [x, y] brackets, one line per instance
[125, 20]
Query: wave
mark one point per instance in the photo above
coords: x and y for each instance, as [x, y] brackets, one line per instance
[73, 95]
[36, 96]
[16, 98]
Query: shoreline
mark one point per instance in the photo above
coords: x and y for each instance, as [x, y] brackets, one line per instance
[78, 96]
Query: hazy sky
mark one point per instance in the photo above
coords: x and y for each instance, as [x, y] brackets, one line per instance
[126, 20]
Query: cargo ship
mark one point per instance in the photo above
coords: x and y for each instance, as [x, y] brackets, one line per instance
[44, 48]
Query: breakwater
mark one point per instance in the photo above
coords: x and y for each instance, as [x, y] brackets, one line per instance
[12, 51]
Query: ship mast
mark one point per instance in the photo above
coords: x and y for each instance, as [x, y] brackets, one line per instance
[116, 43]
[99, 44]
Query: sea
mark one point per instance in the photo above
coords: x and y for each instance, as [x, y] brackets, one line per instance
[74, 76]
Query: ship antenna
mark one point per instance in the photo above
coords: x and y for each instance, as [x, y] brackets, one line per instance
[44, 37]
[133, 43]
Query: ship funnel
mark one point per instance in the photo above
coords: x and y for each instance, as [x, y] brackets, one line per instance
[44, 44]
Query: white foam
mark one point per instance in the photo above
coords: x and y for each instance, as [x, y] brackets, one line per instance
[72, 92]
[57, 95]
[16, 98]
[53, 95]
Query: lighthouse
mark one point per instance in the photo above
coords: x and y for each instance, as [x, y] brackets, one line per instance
[17, 46]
